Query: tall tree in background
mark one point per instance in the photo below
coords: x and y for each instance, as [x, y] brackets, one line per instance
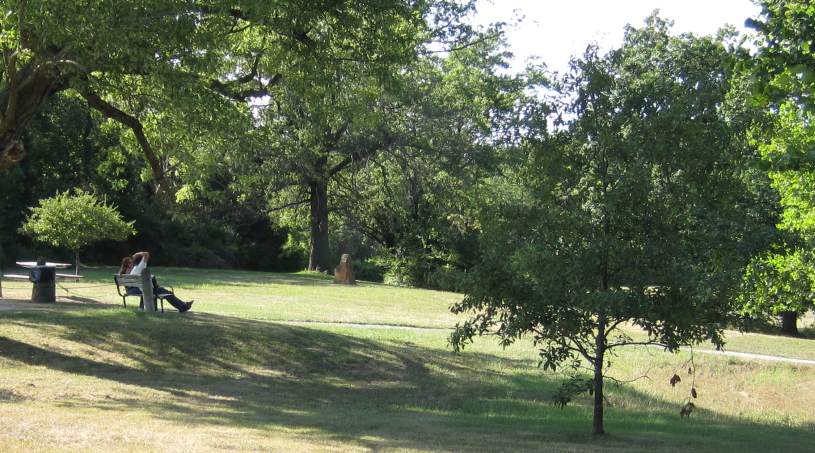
[313, 134]
[630, 213]
[337, 118]
[458, 116]
[784, 72]
[780, 284]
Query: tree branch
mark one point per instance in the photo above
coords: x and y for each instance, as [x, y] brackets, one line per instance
[357, 155]
[110, 111]
[290, 205]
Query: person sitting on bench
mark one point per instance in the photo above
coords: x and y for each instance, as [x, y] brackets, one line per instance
[134, 265]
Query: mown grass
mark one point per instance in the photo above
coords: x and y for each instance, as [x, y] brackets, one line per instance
[277, 297]
[229, 376]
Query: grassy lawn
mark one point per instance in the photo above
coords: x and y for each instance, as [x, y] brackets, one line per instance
[276, 297]
[230, 375]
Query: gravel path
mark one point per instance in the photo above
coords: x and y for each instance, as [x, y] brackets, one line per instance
[747, 356]
[750, 356]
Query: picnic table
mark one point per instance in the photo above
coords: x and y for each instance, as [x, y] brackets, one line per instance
[33, 264]
[43, 278]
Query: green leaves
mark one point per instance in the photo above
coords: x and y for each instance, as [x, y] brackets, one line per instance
[785, 61]
[75, 220]
[779, 282]
[634, 210]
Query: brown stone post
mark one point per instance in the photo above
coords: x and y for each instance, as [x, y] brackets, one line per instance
[344, 272]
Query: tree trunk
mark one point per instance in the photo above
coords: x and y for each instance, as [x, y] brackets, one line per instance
[18, 104]
[789, 323]
[76, 254]
[600, 346]
[319, 258]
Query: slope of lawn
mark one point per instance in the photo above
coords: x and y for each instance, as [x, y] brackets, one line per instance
[87, 374]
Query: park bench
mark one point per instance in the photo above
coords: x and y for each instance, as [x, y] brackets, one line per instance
[135, 281]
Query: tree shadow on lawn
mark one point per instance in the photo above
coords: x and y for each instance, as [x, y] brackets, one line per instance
[220, 370]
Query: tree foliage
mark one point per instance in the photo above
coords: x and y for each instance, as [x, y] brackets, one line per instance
[784, 71]
[632, 212]
[134, 60]
[75, 221]
[785, 63]
[780, 284]
[458, 117]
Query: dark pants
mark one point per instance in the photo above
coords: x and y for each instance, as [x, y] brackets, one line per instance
[179, 304]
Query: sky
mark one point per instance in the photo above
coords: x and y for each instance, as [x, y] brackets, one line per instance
[557, 29]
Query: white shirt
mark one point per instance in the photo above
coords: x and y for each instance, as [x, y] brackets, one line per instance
[137, 269]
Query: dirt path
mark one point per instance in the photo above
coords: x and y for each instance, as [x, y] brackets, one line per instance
[747, 356]
[750, 356]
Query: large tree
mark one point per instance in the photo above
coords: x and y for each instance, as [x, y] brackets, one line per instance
[780, 284]
[310, 135]
[784, 72]
[132, 59]
[631, 212]
[459, 115]
[329, 125]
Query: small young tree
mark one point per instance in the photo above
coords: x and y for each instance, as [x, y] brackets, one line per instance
[75, 221]
[633, 213]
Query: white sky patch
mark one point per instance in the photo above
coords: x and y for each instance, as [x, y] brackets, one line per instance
[555, 30]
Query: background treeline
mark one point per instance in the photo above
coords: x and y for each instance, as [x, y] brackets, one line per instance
[70, 146]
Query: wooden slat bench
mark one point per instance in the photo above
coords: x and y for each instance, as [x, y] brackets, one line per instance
[135, 281]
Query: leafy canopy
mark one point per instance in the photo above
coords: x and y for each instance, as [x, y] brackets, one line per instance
[779, 282]
[75, 221]
[632, 212]
[785, 63]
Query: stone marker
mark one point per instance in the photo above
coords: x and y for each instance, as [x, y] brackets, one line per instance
[344, 273]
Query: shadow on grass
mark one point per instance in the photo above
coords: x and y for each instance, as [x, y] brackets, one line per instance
[388, 394]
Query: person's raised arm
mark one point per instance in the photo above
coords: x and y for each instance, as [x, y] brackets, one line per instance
[144, 256]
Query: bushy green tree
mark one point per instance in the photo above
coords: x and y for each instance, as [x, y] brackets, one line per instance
[458, 118]
[780, 284]
[74, 221]
[317, 134]
[784, 71]
[631, 213]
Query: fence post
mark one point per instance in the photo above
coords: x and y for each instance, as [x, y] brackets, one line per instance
[147, 291]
